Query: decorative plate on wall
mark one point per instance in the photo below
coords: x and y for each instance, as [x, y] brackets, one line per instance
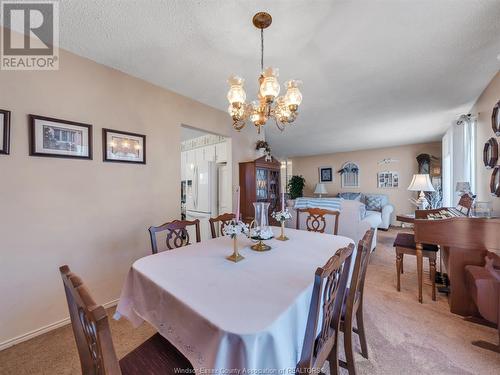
[495, 119]
[490, 153]
[495, 182]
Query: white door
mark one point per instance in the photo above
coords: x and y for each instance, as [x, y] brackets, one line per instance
[190, 164]
[205, 187]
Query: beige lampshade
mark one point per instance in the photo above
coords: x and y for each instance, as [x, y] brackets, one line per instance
[320, 189]
[421, 182]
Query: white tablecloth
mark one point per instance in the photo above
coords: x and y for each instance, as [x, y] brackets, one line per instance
[222, 315]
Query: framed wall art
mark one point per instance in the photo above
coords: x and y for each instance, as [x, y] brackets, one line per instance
[388, 179]
[490, 153]
[325, 174]
[123, 147]
[57, 138]
[4, 132]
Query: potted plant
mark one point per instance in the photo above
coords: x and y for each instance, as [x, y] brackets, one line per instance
[296, 187]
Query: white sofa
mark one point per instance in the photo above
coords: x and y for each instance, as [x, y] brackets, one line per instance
[376, 204]
[354, 220]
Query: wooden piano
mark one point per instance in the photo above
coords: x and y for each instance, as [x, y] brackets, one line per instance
[463, 240]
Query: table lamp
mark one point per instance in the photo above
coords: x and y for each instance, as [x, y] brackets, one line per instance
[320, 189]
[421, 183]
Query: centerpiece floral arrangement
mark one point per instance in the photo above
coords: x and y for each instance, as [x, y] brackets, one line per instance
[234, 228]
[282, 216]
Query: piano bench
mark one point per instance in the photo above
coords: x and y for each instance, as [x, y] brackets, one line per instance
[485, 291]
[405, 244]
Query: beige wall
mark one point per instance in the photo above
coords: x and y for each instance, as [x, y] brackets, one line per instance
[484, 106]
[90, 215]
[368, 163]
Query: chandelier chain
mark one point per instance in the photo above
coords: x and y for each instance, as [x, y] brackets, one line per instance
[261, 50]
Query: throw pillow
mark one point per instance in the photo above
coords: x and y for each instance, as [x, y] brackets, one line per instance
[350, 196]
[373, 203]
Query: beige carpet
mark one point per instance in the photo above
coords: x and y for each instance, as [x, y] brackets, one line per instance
[404, 337]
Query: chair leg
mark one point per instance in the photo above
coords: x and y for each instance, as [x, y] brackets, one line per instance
[348, 347]
[402, 259]
[432, 264]
[333, 360]
[361, 331]
[399, 261]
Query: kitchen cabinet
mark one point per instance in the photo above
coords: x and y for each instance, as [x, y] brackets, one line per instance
[209, 153]
[221, 152]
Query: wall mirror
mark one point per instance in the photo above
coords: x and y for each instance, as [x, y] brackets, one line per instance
[495, 119]
[490, 153]
[495, 182]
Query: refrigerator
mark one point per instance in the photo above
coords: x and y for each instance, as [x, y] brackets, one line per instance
[201, 198]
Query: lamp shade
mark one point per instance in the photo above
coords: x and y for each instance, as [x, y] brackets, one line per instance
[463, 187]
[320, 189]
[421, 182]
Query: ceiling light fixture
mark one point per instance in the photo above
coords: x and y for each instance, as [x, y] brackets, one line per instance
[283, 109]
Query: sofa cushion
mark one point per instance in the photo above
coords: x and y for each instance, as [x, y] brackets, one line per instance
[374, 218]
[350, 196]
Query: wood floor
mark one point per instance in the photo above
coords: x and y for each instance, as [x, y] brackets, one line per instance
[404, 337]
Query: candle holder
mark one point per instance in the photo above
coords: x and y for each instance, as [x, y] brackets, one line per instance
[282, 216]
[282, 236]
[235, 256]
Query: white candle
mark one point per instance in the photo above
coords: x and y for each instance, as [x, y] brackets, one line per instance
[282, 201]
[238, 204]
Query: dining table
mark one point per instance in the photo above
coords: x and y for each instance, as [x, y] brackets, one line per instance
[227, 317]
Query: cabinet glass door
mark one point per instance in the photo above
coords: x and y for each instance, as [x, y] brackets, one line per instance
[261, 183]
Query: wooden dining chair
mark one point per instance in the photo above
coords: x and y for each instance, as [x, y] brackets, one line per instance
[353, 304]
[316, 221]
[95, 345]
[176, 234]
[220, 221]
[326, 305]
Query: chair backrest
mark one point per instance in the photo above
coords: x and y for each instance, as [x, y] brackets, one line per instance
[90, 327]
[316, 221]
[465, 203]
[176, 234]
[221, 221]
[326, 305]
[355, 295]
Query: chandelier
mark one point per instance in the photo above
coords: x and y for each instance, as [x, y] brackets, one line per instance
[283, 109]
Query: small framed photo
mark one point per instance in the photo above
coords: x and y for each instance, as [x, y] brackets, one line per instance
[60, 138]
[4, 132]
[123, 147]
[325, 174]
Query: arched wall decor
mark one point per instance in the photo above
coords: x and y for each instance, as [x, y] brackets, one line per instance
[495, 182]
[349, 175]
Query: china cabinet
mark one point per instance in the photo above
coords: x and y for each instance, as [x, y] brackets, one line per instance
[259, 182]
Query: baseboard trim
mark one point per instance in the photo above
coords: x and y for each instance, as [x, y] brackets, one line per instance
[40, 331]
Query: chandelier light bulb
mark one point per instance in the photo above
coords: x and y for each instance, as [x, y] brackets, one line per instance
[293, 96]
[236, 93]
[270, 87]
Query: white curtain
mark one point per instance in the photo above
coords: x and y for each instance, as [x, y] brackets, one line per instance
[459, 159]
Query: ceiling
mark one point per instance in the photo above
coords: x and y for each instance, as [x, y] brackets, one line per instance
[375, 73]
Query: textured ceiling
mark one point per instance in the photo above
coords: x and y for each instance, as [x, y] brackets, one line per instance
[375, 73]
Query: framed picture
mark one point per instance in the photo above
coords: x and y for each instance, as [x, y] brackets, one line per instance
[325, 174]
[4, 131]
[388, 179]
[123, 147]
[60, 138]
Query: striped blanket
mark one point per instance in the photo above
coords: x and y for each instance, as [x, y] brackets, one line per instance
[333, 204]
